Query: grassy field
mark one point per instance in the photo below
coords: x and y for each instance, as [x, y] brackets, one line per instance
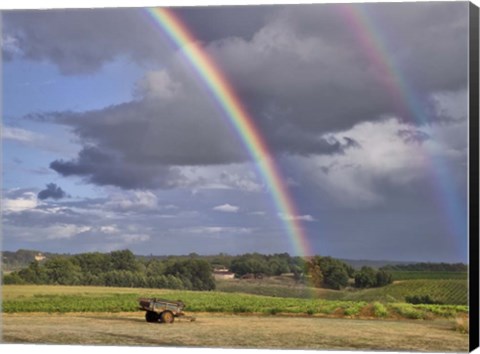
[234, 331]
[63, 299]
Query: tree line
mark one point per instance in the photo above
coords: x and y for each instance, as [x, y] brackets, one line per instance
[328, 272]
[118, 268]
[191, 272]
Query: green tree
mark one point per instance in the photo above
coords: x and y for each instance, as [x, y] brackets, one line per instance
[34, 274]
[328, 272]
[198, 272]
[366, 278]
[123, 260]
[249, 264]
[62, 271]
[12, 278]
[383, 278]
[155, 267]
[92, 263]
[336, 277]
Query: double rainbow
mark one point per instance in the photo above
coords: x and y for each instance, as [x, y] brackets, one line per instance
[215, 81]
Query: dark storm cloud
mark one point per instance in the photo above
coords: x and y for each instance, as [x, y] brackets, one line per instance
[229, 21]
[312, 68]
[52, 191]
[101, 168]
[80, 41]
[301, 71]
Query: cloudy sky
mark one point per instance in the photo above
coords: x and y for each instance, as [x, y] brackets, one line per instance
[111, 141]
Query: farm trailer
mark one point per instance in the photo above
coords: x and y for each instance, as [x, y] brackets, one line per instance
[161, 310]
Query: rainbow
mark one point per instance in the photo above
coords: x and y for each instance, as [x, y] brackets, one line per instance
[409, 106]
[213, 78]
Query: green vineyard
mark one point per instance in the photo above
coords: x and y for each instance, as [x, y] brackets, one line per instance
[63, 299]
[410, 275]
[446, 291]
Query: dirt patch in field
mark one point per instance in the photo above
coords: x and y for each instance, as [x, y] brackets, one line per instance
[234, 331]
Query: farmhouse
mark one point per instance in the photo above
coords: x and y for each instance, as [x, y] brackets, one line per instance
[39, 257]
[222, 273]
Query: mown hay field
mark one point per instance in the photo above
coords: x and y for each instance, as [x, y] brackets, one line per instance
[234, 331]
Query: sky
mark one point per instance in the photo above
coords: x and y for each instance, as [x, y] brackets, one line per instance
[112, 141]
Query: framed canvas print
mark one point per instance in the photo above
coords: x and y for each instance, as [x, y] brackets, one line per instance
[259, 176]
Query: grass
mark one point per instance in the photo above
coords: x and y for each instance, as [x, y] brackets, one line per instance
[231, 331]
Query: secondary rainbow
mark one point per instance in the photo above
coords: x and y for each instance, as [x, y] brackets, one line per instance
[408, 105]
[225, 95]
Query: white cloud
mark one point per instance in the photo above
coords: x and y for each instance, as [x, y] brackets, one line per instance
[37, 140]
[214, 230]
[21, 135]
[226, 208]
[10, 44]
[134, 238]
[26, 201]
[306, 217]
[64, 231]
[132, 200]
[239, 176]
[389, 152]
[109, 229]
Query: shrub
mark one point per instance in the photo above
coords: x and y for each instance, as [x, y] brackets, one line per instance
[273, 311]
[240, 309]
[379, 310]
[383, 278]
[408, 311]
[365, 278]
[12, 278]
[421, 299]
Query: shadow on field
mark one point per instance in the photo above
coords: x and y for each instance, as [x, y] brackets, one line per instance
[139, 319]
[135, 339]
[122, 319]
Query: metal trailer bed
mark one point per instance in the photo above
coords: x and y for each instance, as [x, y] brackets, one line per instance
[162, 310]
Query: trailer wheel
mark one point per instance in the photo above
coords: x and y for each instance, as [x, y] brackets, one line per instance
[167, 317]
[151, 316]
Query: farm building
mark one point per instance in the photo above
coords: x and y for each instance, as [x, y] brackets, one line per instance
[39, 257]
[223, 273]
